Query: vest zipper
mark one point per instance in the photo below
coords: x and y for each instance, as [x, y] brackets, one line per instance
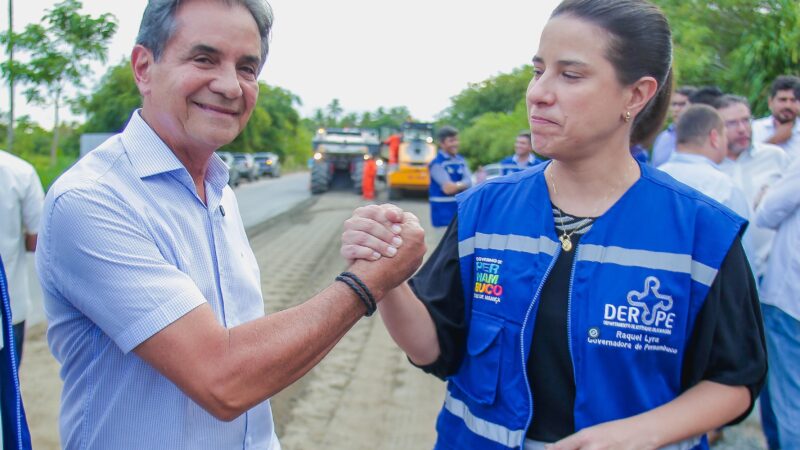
[522, 342]
[569, 314]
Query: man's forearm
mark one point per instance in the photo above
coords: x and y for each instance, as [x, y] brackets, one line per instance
[228, 371]
[267, 355]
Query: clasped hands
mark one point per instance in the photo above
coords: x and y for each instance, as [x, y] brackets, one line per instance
[384, 245]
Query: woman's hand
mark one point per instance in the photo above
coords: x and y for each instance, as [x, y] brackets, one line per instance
[372, 232]
[616, 435]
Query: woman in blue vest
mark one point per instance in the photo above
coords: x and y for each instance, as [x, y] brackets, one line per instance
[591, 301]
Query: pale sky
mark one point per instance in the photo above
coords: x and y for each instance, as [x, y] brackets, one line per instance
[366, 53]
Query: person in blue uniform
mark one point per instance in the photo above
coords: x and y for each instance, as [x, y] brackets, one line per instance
[14, 433]
[449, 176]
[591, 301]
[523, 156]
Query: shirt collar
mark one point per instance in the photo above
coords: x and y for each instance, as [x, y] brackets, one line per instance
[693, 158]
[149, 155]
[445, 154]
[530, 159]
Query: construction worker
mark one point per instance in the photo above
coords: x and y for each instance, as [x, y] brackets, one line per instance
[523, 156]
[368, 179]
[393, 141]
[449, 176]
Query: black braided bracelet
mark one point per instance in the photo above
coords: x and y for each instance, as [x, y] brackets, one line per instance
[353, 277]
[359, 293]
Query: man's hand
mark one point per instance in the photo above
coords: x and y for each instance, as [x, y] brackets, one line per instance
[783, 132]
[371, 232]
[384, 274]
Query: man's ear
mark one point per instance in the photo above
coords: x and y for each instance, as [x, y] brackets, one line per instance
[640, 93]
[142, 64]
[713, 137]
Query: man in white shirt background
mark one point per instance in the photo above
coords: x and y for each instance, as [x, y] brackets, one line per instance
[782, 127]
[780, 296]
[701, 146]
[753, 166]
[21, 199]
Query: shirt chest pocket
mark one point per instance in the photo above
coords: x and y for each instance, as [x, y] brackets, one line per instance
[480, 370]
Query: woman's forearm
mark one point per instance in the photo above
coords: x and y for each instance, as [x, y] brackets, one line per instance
[410, 325]
[706, 406]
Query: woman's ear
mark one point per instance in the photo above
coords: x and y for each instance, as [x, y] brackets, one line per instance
[640, 93]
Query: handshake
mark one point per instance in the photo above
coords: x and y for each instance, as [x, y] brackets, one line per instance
[383, 245]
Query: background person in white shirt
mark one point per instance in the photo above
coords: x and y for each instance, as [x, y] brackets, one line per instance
[782, 127]
[701, 145]
[752, 166]
[780, 295]
[21, 199]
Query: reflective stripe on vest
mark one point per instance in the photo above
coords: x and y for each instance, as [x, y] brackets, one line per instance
[506, 242]
[673, 262]
[442, 199]
[491, 431]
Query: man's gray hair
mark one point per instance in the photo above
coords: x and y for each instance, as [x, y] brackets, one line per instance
[729, 100]
[158, 23]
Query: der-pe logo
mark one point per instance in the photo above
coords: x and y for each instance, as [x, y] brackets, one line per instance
[648, 308]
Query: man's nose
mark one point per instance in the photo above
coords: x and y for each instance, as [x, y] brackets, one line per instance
[226, 83]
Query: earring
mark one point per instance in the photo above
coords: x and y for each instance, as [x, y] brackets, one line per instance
[627, 116]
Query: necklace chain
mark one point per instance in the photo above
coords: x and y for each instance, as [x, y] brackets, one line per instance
[566, 238]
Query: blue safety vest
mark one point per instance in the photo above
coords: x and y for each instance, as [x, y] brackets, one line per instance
[640, 277]
[509, 166]
[15, 426]
[443, 206]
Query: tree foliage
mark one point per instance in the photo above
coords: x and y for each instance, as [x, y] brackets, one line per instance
[499, 94]
[59, 50]
[491, 136]
[275, 126]
[109, 107]
[383, 118]
[738, 45]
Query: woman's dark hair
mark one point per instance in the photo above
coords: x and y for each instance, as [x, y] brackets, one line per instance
[640, 44]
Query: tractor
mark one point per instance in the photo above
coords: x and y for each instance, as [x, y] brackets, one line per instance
[408, 171]
[339, 155]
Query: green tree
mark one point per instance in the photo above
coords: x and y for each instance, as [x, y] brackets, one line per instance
[738, 45]
[335, 110]
[109, 107]
[275, 126]
[499, 94]
[491, 136]
[59, 50]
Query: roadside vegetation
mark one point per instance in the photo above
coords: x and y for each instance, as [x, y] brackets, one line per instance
[738, 45]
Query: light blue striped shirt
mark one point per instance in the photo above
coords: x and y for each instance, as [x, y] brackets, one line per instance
[127, 247]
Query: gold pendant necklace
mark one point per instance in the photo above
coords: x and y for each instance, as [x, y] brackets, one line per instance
[566, 243]
[565, 238]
